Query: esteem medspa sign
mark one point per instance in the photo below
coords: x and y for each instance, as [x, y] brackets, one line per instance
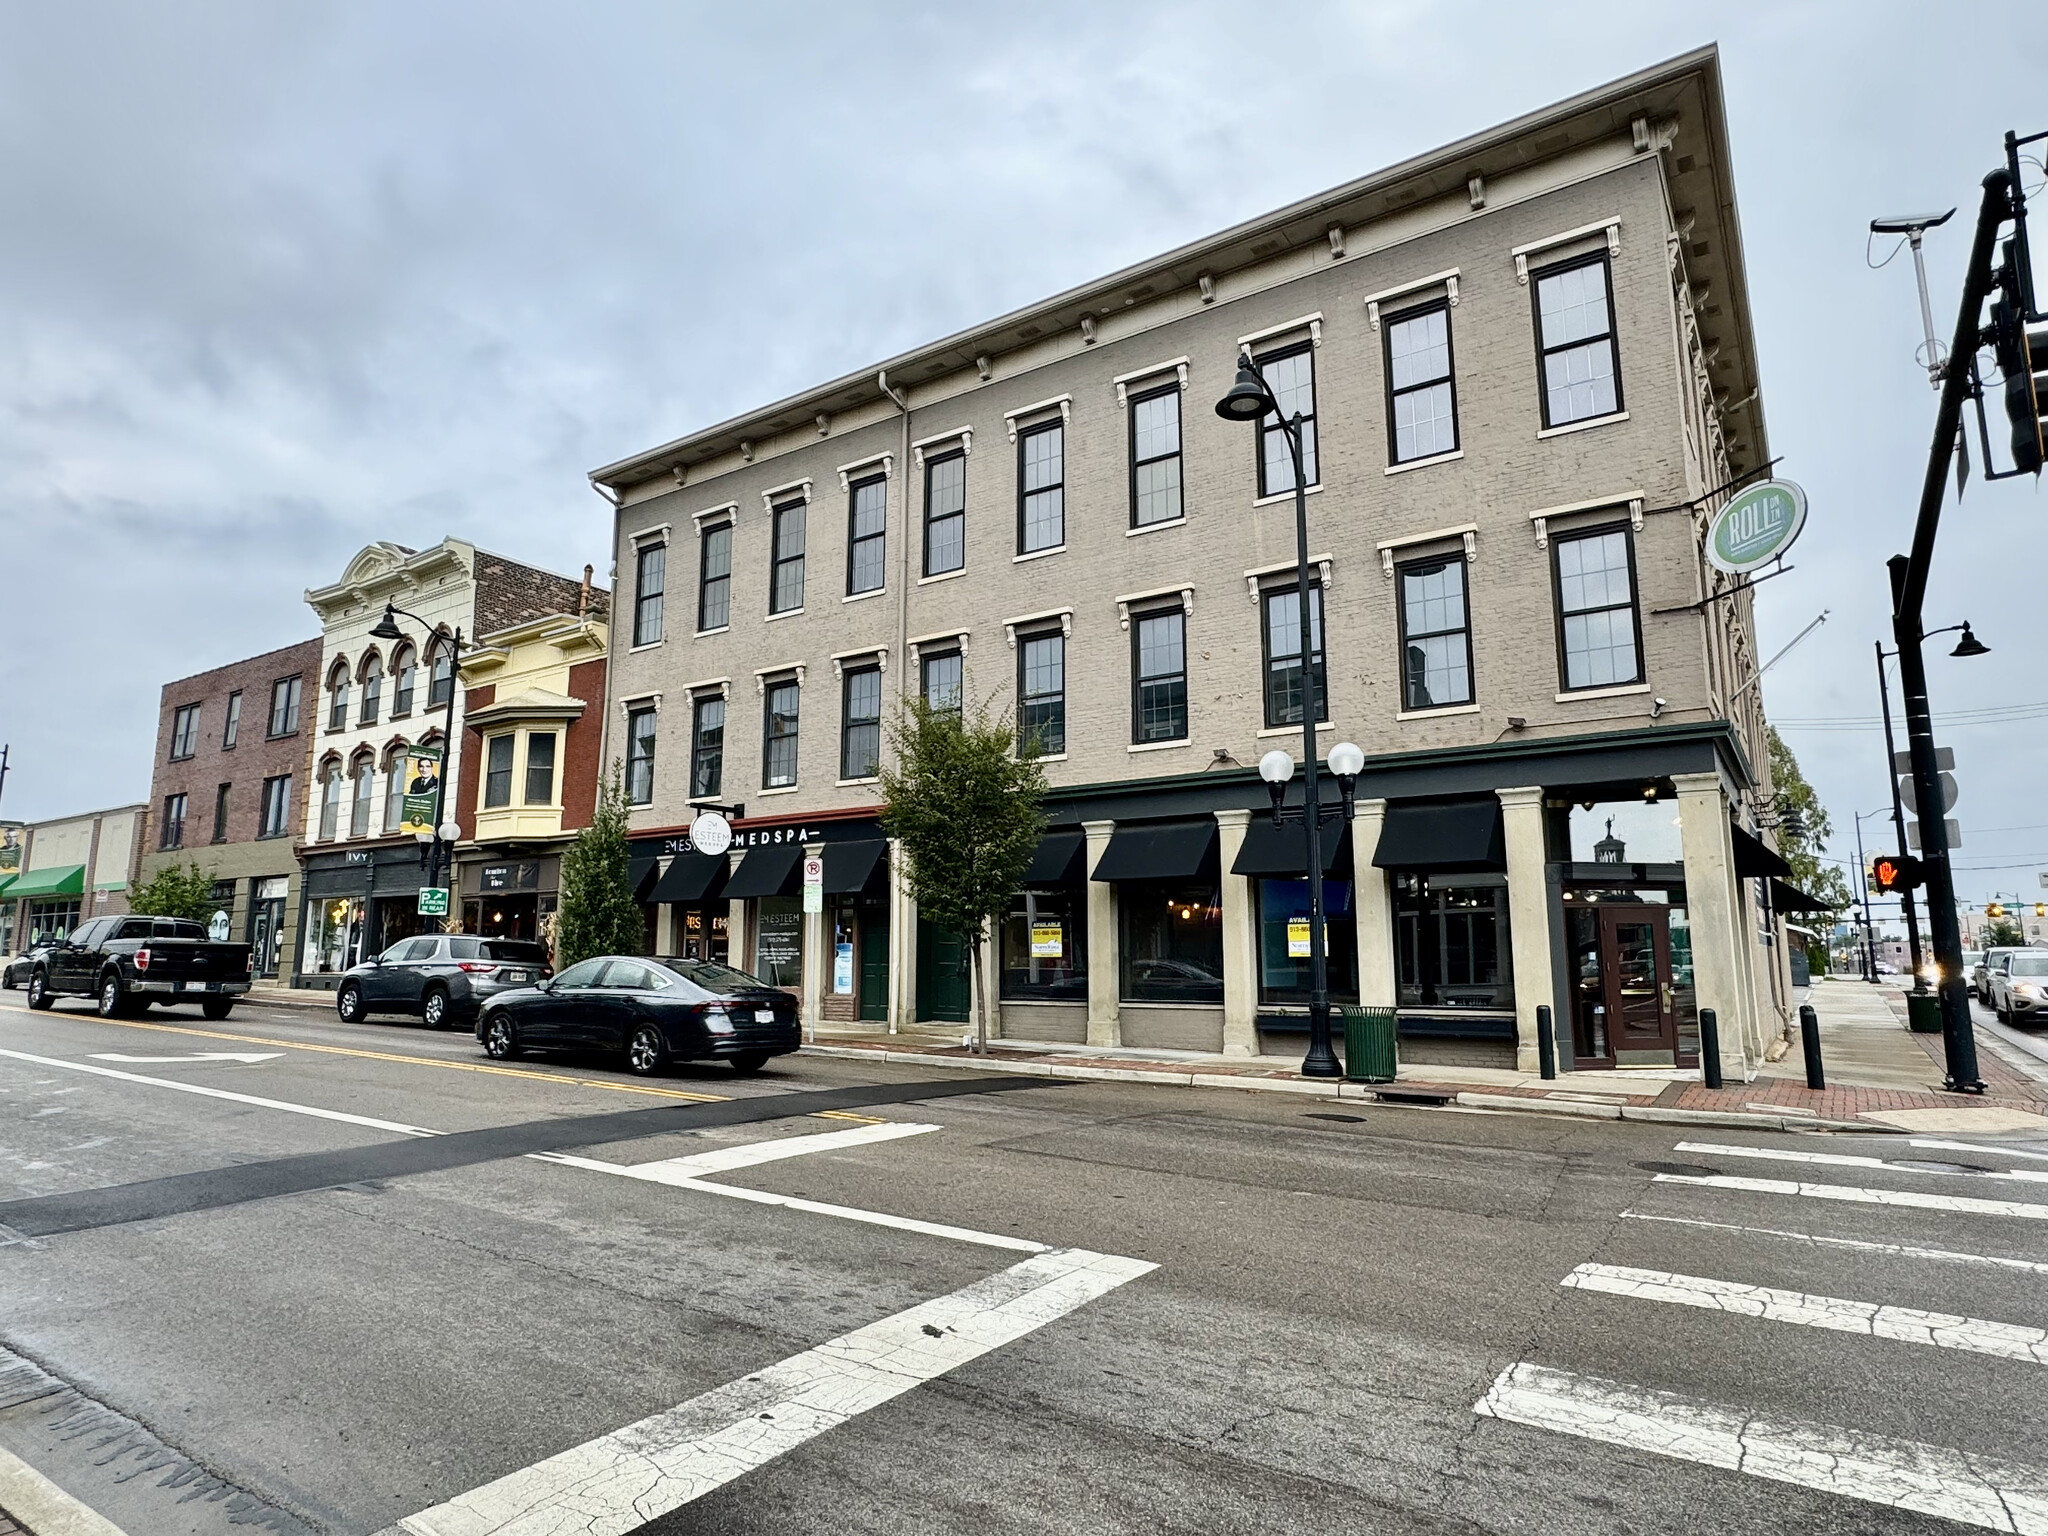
[1756, 526]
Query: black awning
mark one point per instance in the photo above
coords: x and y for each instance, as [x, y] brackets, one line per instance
[692, 877]
[1461, 836]
[640, 873]
[1754, 861]
[1789, 898]
[1161, 850]
[1058, 860]
[1281, 853]
[776, 870]
[850, 866]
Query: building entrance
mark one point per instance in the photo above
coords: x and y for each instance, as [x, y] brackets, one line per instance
[1635, 1004]
[942, 975]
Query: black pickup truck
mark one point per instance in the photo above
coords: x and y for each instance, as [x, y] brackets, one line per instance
[127, 963]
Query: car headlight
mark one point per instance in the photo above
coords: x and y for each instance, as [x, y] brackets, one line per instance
[2026, 989]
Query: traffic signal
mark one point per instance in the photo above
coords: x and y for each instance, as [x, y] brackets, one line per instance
[2023, 363]
[1890, 873]
[2041, 909]
[1994, 910]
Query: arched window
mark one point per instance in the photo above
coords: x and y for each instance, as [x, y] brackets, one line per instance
[364, 772]
[441, 675]
[394, 783]
[402, 668]
[337, 697]
[330, 800]
[373, 689]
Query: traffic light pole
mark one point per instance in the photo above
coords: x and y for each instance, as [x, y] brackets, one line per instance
[1891, 758]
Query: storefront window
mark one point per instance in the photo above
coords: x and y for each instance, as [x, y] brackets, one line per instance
[779, 941]
[334, 934]
[703, 933]
[1172, 941]
[1283, 940]
[1451, 941]
[1044, 951]
[51, 919]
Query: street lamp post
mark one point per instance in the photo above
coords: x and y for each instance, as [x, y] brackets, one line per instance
[387, 629]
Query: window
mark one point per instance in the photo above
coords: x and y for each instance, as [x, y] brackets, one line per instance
[277, 807]
[867, 514]
[284, 706]
[1044, 945]
[1041, 488]
[1451, 941]
[640, 756]
[1042, 693]
[1155, 457]
[440, 676]
[945, 513]
[1596, 608]
[707, 747]
[860, 730]
[498, 771]
[1422, 405]
[1575, 343]
[184, 731]
[364, 772]
[944, 675]
[1282, 609]
[649, 581]
[714, 577]
[1283, 939]
[404, 667]
[786, 574]
[1291, 376]
[394, 790]
[220, 813]
[540, 769]
[337, 697]
[1159, 704]
[1436, 634]
[778, 725]
[373, 691]
[1172, 949]
[172, 834]
[233, 728]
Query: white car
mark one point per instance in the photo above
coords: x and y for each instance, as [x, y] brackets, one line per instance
[1972, 958]
[2019, 988]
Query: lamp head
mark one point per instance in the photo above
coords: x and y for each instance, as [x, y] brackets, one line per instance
[387, 627]
[1276, 767]
[1970, 645]
[1249, 399]
[1346, 758]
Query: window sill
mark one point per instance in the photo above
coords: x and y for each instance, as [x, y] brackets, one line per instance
[1167, 522]
[1431, 714]
[1291, 730]
[861, 597]
[1585, 425]
[787, 613]
[651, 645]
[1621, 691]
[1039, 554]
[1267, 501]
[781, 789]
[925, 581]
[700, 634]
[1160, 746]
[1435, 458]
[396, 716]
[873, 778]
[1049, 757]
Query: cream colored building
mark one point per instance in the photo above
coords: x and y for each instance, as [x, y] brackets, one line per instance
[68, 871]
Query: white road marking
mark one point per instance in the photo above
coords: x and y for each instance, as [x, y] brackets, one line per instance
[677, 1170]
[1897, 1250]
[1972, 1146]
[1983, 1491]
[1846, 1160]
[249, 1056]
[1857, 1195]
[1905, 1325]
[620, 1481]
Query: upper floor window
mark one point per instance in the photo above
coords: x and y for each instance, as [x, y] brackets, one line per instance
[498, 771]
[867, 514]
[640, 756]
[373, 691]
[364, 772]
[1042, 693]
[944, 677]
[1155, 457]
[394, 790]
[232, 730]
[1281, 607]
[786, 575]
[860, 731]
[945, 513]
[1422, 406]
[404, 668]
[440, 675]
[707, 747]
[1159, 676]
[330, 800]
[714, 577]
[649, 581]
[220, 813]
[1042, 487]
[276, 814]
[1596, 606]
[540, 768]
[1291, 375]
[172, 833]
[1575, 342]
[337, 697]
[284, 706]
[184, 731]
[779, 734]
[1436, 634]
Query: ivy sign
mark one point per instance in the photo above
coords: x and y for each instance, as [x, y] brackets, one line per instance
[1756, 526]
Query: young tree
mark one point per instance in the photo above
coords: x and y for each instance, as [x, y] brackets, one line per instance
[176, 892]
[598, 915]
[963, 805]
[2003, 931]
[1817, 876]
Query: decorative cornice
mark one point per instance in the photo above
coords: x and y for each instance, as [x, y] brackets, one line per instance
[1609, 227]
[1124, 604]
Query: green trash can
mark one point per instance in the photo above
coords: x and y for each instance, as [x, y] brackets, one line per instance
[1923, 1013]
[1369, 1045]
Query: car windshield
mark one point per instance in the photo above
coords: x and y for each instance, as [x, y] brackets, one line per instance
[713, 977]
[2030, 965]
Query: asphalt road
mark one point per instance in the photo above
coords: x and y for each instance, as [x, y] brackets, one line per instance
[950, 1303]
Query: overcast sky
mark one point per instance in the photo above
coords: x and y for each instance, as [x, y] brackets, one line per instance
[279, 279]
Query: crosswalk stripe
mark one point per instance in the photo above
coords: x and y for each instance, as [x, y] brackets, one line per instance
[1846, 1160]
[1983, 1491]
[1856, 1194]
[1814, 1239]
[681, 1170]
[1905, 1325]
[1972, 1146]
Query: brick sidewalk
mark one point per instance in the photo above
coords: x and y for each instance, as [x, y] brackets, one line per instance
[9, 1528]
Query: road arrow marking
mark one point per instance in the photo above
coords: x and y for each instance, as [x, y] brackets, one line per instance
[248, 1056]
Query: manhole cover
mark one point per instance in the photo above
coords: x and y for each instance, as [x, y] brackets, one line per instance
[1689, 1170]
[1934, 1165]
[1345, 1119]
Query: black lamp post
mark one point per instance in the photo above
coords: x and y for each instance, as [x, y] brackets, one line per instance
[387, 629]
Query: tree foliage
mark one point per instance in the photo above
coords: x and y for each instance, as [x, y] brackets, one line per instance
[175, 891]
[1817, 876]
[1999, 931]
[598, 913]
[963, 805]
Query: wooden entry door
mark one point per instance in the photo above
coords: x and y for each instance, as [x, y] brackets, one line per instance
[1635, 964]
[942, 975]
[874, 964]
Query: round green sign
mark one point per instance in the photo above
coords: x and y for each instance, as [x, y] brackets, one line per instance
[1756, 526]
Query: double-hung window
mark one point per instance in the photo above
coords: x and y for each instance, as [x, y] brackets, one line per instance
[1422, 402]
[337, 697]
[945, 675]
[440, 676]
[1436, 634]
[173, 830]
[404, 669]
[1159, 677]
[364, 771]
[1575, 342]
[220, 813]
[1041, 487]
[330, 801]
[778, 734]
[232, 731]
[394, 790]
[373, 691]
[707, 746]
[1598, 638]
[498, 771]
[284, 706]
[1282, 611]
[1291, 375]
[1042, 693]
[786, 577]
[649, 581]
[1155, 457]
[945, 513]
[860, 729]
[540, 768]
[714, 577]
[867, 517]
[184, 732]
[275, 819]
[640, 756]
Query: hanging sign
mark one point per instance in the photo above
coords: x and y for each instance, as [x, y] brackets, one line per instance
[1048, 941]
[1297, 938]
[422, 788]
[710, 833]
[1756, 526]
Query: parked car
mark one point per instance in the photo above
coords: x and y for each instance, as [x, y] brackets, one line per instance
[655, 1011]
[1972, 958]
[2019, 988]
[439, 977]
[127, 963]
[1993, 960]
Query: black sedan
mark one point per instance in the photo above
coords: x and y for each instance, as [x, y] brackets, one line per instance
[17, 971]
[655, 1011]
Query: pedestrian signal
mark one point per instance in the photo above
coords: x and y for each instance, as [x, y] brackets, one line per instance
[1891, 873]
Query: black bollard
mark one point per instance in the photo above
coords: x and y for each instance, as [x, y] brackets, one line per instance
[1710, 1048]
[1546, 1043]
[1809, 1037]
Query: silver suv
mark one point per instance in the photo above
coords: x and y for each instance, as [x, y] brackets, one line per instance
[2019, 987]
[442, 978]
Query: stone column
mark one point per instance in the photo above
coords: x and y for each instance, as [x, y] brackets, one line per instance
[817, 956]
[1105, 1023]
[1240, 943]
[1378, 978]
[1713, 904]
[994, 982]
[1528, 915]
[902, 944]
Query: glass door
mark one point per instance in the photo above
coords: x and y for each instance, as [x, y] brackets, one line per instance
[1641, 1011]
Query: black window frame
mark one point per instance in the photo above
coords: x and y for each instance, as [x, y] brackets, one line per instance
[640, 753]
[184, 732]
[440, 690]
[1139, 619]
[858, 542]
[707, 581]
[1406, 316]
[953, 455]
[286, 694]
[275, 813]
[1417, 566]
[1025, 437]
[1146, 397]
[700, 753]
[770, 738]
[339, 681]
[1317, 629]
[371, 682]
[231, 727]
[647, 604]
[1270, 422]
[1026, 700]
[941, 654]
[362, 771]
[534, 739]
[1537, 277]
[172, 833]
[778, 518]
[497, 775]
[405, 666]
[1635, 605]
[869, 726]
[220, 812]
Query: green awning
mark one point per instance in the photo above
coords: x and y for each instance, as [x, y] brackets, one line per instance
[5, 881]
[57, 880]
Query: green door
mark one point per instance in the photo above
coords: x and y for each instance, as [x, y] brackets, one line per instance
[941, 975]
[874, 963]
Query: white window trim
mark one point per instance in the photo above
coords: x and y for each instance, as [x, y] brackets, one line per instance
[1468, 532]
[1582, 424]
[925, 581]
[794, 669]
[780, 789]
[1185, 591]
[846, 472]
[1164, 522]
[1160, 746]
[873, 778]
[956, 638]
[781, 493]
[1610, 227]
[1012, 419]
[1312, 323]
[1431, 714]
[839, 659]
[1542, 516]
[1039, 554]
[787, 613]
[728, 509]
[964, 436]
[1447, 280]
[640, 701]
[649, 535]
[701, 633]
[722, 686]
[651, 645]
[1064, 615]
[1125, 381]
[1435, 458]
[1324, 564]
[1622, 691]
[1306, 490]
[861, 597]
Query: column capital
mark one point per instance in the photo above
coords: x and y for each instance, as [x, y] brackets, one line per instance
[1521, 795]
[1697, 783]
[1233, 818]
[1098, 831]
[1374, 809]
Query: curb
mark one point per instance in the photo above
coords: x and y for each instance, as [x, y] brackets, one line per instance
[35, 1502]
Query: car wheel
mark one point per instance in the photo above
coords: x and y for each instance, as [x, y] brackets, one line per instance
[39, 990]
[501, 1043]
[434, 1008]
[217, 1008]
[113, 998]
[749, 1062]
[646, 1052]
[348, 1002]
